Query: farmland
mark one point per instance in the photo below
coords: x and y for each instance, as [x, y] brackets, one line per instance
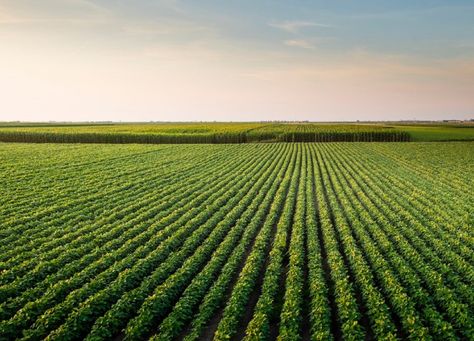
[286, 241]
[160, 133]
[220, 132]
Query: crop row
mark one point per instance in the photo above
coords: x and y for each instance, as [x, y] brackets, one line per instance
[230, 133]
[286, 241]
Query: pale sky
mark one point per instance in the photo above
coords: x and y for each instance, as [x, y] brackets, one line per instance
[248, 60]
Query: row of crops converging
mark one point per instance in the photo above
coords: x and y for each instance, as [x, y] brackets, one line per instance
[282, 241]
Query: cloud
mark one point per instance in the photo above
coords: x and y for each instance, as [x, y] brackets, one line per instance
[296, 26]
[165, 27]
[302, 43]
[52, 11]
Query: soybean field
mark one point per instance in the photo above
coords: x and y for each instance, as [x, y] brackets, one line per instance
[269, 241]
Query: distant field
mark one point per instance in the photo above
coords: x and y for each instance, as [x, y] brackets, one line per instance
[199, 133]
[240, 241]
[439, 132]
[231, 132]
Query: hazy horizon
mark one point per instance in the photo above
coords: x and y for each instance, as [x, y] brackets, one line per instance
[237, 121]
[171, 60]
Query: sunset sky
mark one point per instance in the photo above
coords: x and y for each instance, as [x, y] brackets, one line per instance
[165, 60]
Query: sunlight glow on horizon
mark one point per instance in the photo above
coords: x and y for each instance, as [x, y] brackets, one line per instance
[78, 60]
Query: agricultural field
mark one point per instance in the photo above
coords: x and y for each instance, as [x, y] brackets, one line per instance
[220, 132]
[285, 241]
[162, 133]
[439, 132]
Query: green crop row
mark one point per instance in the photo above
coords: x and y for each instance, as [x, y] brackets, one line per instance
[202, 133]
[277, 241]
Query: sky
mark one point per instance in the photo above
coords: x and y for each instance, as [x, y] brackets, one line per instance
[248, 60]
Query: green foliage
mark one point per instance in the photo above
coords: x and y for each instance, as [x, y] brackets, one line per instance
[284, 241]
[439, 132]
[199, 133]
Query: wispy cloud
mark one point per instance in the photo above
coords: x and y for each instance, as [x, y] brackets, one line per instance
[164, 20]
[168, 27]
[301, 43]
[68, 11]
[296, 26]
